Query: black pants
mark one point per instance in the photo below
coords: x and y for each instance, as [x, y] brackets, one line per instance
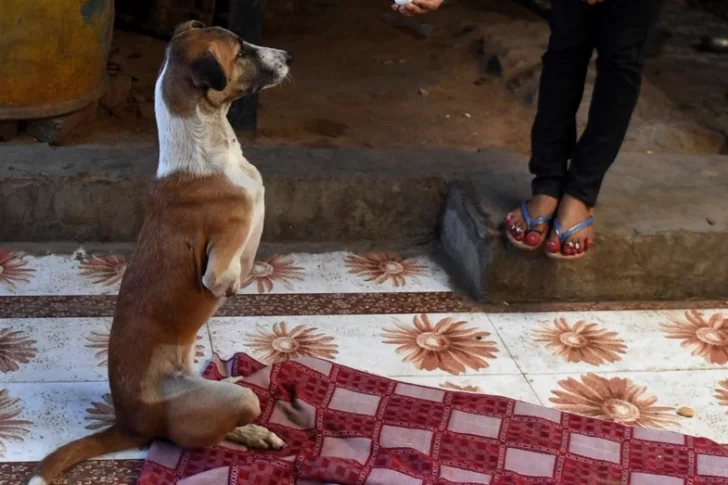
[618, 30]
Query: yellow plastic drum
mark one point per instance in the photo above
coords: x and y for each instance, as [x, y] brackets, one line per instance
[53, 55]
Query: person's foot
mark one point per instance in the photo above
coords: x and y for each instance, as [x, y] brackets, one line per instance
[538, 206]
[572, 212]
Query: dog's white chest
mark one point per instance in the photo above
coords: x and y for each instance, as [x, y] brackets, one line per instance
[246, 176]
[238, 170]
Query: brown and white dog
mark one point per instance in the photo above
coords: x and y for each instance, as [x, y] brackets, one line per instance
[202, 227]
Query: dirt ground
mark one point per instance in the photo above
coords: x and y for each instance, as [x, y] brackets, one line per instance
[362, 80]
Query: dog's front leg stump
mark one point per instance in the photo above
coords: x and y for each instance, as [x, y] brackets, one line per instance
[246, 20]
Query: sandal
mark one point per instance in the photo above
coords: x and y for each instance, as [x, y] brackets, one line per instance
[563, 236]
[530, 224]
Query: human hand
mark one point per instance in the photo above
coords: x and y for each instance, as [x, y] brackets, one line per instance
[418, 7]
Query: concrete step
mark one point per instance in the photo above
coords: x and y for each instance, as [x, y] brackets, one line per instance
[662, 234]
[96, 193]
[661, 223]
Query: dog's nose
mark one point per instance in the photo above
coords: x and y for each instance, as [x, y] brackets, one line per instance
[289, 58]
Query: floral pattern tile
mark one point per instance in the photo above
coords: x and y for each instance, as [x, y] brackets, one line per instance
[580, 342]
[648, 399]
[721, 393]
[612, 398]
[98, 342]
[281, 343]
[704, 334]
[101, 414]
[341, 272]
[637, 367]
[393, 345]
[277, 271]
[63, 349]
[447, 344]
[14, 271]
[104, 271]
[68, 274]
[16, 348]
[63, 355]
[12, 429]
[513, 386]
[615, 341]
[381, 268]
[46, 416]
[81, 273]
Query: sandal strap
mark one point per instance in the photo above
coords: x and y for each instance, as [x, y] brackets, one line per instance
[531, 223]
[564, 235]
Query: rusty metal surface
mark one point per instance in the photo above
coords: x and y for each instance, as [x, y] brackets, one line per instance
[53, 55]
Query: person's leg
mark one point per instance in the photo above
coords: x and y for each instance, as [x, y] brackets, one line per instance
[565, 64]
[572, 41]
[624, 27]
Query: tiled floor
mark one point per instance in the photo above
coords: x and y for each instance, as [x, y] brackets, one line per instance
[634, 366]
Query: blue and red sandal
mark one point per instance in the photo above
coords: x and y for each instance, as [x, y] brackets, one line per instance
[572, 250]
[521, 237]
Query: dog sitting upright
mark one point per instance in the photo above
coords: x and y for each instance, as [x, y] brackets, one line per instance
[203, 223]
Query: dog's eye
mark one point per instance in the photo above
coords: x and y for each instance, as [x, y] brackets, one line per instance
[241, 54]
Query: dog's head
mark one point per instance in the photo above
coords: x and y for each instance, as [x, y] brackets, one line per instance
[213, 67]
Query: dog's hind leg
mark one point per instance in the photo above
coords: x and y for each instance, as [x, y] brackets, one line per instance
[202, 413]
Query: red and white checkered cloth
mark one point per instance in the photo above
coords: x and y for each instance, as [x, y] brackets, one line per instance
[370, 430]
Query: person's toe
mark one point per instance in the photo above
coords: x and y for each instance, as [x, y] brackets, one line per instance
[577, 245]
[515, 226]
[533, 238]
[552, 245]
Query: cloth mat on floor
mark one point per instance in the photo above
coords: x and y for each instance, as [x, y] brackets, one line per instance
[369, 430]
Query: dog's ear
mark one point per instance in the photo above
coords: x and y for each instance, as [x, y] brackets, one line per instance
[187, 26]
[208, 73]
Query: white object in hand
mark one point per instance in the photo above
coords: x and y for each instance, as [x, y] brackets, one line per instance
[402, 2]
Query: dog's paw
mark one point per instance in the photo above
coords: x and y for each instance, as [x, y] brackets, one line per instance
[232, 380]
[223, 285]
[254, 436]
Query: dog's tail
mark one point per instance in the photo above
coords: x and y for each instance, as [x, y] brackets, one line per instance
[108, 441]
